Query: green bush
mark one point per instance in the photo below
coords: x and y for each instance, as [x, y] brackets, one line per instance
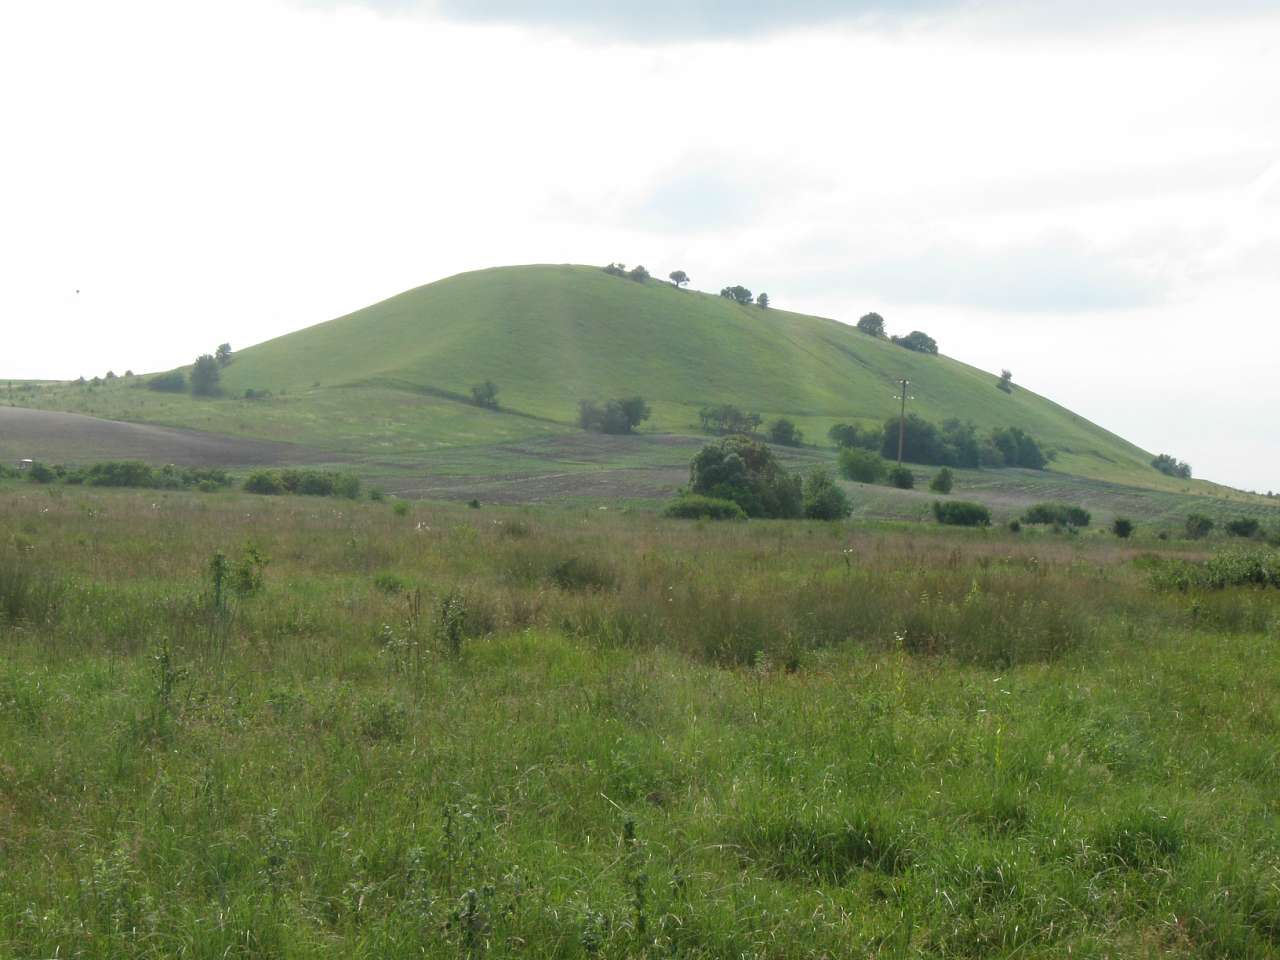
[902, 478]
[861, 466]
[1243, 527]
[1122, 528]
[942, 481]
[745, 471]
[263, 481]
[823, 498]
[1059, 514]
[691, 506]
[41, 473]
[961, 513]
[1198, 526]
[175, 381]
[785, 433]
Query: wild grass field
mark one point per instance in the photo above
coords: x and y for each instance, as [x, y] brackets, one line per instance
[239, 726]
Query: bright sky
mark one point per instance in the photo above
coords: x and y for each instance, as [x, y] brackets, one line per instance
[1088, 195]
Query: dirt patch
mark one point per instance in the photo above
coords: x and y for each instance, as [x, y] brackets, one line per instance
[74, 438]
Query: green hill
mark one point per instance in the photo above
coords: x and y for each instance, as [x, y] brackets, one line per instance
[393, 378]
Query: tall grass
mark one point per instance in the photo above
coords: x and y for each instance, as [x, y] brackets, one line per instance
[573, 734]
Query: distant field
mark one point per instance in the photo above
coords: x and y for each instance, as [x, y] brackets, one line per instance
[394, 730]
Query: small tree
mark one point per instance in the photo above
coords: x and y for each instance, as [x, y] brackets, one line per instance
[1172, 467]
[1198, 526]
[223, 354]
[205, 376]
[615, 416]
[942, 481]
[485, 395]
[1122, 528]
[917, 340]
[111, 375]
[738, 294]
[639, 274]
[852, 435]
[1243, 527]
[902, 478]
[823, 498]
[872, 323]
[785, 433]
[745, 471]
[1006, 381]
[861, 466]
[762, 301]
[678, 277]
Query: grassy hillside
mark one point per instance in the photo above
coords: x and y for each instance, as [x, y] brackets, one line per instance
[392, 379]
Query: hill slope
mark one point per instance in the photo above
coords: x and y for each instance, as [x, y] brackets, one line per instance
[389, 379]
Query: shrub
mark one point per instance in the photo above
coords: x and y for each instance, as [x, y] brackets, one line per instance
[639, 274]
[1172, 467]
[1060, 514]
[41, 473]
[400, 508]
[691, 506]
[942, 481]
[1019, 448]
[852, 435]
[823, 498]
[584, 573]
[1122, 528]
[917, 340]
[175, 381]
[263, 481]
[726, 418]
[785, 433]
[1015, 525]
[872, 323]
[739, 294]
[861, 466]
[745, 471]
[619, 416]
[902, 478]
[961, 513]
[485, 395]
[1198, 526]
[1243, 527]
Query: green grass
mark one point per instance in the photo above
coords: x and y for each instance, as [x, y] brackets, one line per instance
[386, 380]
[653, 738]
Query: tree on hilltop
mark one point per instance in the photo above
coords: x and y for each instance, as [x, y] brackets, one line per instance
[872, 323]
[738, 293]
[678, 277]
[223, 354]
[763, 301]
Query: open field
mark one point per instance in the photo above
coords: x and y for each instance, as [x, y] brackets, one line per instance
[396, 729]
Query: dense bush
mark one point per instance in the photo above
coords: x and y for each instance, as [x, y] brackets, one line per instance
[133, 473]
[851, 435]
[485, 395]
[638, 274]
[745, 471]
[872, 323]
[942, 481]
[1171, 466]
[902, 478]
[961, 513]
[1243, 527]
[862, 466]
[725, 418]
[175, 381]
[1019, 448]
[917, 340]
[1122, 528]
[823, 498]
[617, 416]
[41, 473]
[1229, 568]
[738, 294]
[1060, 514]
[785, 433]
[691, 506]
[313, 483]
[1198, 526]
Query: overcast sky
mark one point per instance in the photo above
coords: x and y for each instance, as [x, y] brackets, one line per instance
[1088, 195]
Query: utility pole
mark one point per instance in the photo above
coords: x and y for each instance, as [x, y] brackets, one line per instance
[902, 417]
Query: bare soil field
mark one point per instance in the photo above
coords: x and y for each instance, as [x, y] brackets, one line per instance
[75, 438]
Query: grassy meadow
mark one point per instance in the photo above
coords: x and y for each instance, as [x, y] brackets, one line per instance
[238, 726]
